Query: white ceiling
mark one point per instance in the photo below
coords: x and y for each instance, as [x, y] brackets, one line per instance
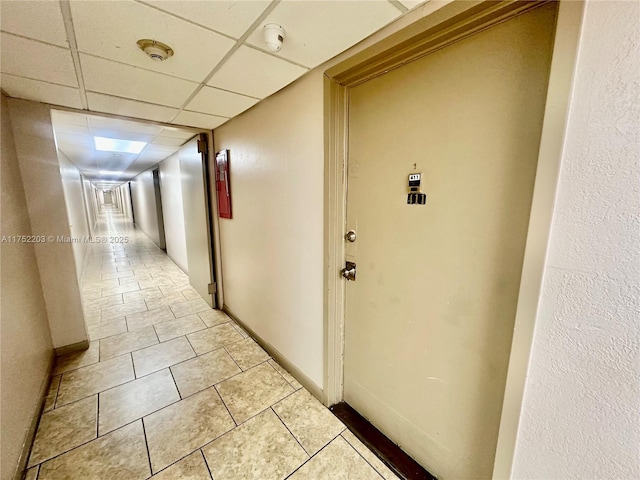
[74, 138]
[83, 54]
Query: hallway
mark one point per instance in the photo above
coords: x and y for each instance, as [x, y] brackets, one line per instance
[172, 388]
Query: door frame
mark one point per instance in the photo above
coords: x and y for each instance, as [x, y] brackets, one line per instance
[449, 24]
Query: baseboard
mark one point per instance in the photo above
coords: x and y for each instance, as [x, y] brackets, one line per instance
[306, 382]
[74, 347]
[31, 432]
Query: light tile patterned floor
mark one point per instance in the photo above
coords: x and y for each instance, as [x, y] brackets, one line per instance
[172, 389]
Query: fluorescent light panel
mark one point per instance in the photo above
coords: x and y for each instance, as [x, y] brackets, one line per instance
[105, 144]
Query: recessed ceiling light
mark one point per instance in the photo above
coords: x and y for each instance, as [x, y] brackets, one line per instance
[104, 144]
[157, 51]
[110, 172]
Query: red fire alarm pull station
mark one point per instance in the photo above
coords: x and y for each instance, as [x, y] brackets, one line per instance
[222, 184]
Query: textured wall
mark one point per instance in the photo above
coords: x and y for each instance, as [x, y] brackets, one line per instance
[581, 413]
[25, 342]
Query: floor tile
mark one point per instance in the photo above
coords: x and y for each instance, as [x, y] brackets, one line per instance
[133, 400]
[74, 360]
[95, 378]
[127, 342]
[190, 293]
[192, 467]
[65, 428]
[146, 294]
[214, 317]
[240, 330]
[260, 449]
[337, 461]
[119, 455]
[250, 392]
[247, 353]
[369, 456]
[124, 309]
[213, 338]
[103, 301]
[178, 327]
[163, 355]
[129, 287]
[107, 328]
[287, 376]
[155, 282]
[189, 307]
[149, 317]
[309, 421]
[168, 299]
[118, 275]
[32, 473]
[52, 394]
[203, 372]
[183, 427]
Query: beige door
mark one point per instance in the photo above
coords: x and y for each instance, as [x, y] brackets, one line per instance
[429, 318]
[196, 219]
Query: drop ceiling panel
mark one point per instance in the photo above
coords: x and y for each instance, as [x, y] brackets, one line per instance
[229, 17]
[175, 132]
[71, 128]
[169, 141]
[103, 76]
[319, 30]
[69, 118]
[76, 140]
[20, 87]
[199, 120]
[111, 30]
[41, 20]
[124, 125]
[44, 62]
[130, 108]
[219, 102]
[121, 135]
[255, 73]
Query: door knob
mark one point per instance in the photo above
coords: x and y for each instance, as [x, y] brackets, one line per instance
[349, 272]
[350, 236]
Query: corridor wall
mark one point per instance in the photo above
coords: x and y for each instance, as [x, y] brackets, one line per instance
[72, 186]
[144, 205]
[42, 182]
[172, 210]
[26, 349]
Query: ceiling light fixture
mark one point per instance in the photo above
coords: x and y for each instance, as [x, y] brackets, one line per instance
[157, 51]
[105, 144]
[273, 36]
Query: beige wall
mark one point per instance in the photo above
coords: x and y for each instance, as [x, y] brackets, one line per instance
[144, 205]
[25, 340]
[580, 412]
[172, 211]
[76, 210]
[40, 170]
[272, 248]
[90, 203]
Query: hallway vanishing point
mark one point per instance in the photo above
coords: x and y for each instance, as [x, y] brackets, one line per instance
[172, 389]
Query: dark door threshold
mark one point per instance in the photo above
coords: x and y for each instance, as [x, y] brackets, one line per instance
[398, 461]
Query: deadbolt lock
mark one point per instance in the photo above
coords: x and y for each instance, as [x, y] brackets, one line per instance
[349, 271]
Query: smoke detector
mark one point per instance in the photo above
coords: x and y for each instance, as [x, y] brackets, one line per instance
[273, 36]
[157, 51]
